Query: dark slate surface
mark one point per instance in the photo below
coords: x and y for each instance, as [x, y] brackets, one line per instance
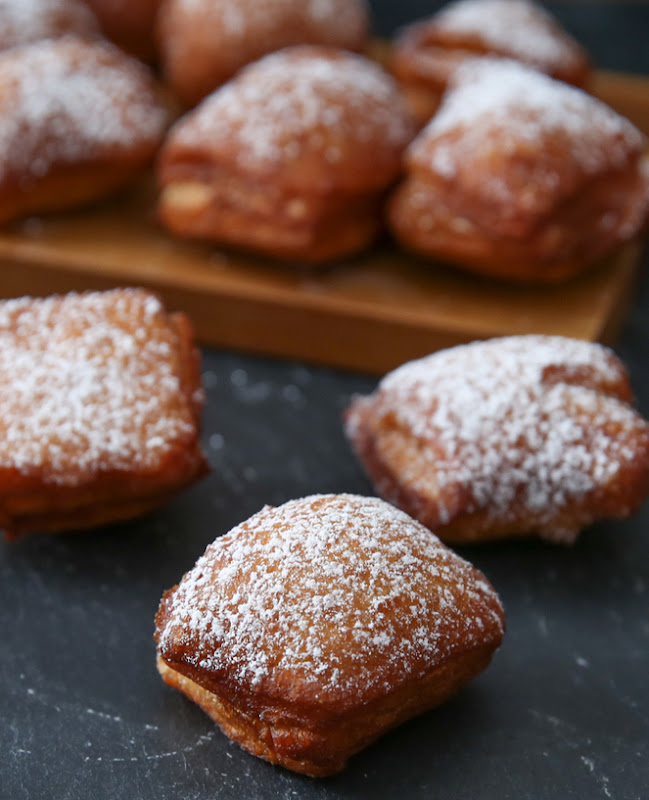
[563, 712]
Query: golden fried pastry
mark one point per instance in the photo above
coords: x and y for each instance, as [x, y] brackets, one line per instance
[311, 629]
[130, 24]
[521, 177]
[202, 45]
[100, 403]
[514, 436]
[24, 21]
[427, 53]
[78, 120]
[290, 159]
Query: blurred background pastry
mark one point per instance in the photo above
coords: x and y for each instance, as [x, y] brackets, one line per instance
[202, 44]
[522, 177]
[291, 159]
[78, 120]
[24, 21]
[130, 24]
[426, 53]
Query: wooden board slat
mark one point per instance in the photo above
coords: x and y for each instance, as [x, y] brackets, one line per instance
[370, 313]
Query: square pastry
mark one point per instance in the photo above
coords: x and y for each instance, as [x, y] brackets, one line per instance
[513, 436]
[313, 628]
[100, 403]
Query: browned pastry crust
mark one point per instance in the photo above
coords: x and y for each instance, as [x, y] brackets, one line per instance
[25, 21]
[78, 119]
[427, 53]
[100, 403]
[311, 629]
[202, 45]
[291, 159]
[509, 437]
[521, 177]
[130, 24]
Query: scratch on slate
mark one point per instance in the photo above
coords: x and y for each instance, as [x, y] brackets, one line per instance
[203, 739]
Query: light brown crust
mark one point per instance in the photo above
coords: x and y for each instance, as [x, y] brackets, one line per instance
[513, 437]
[289, 741]
[291, 159]
[78, 120]
[202, 45]
[89, 439]
[522, 178]
[427, 53]
[355, 619]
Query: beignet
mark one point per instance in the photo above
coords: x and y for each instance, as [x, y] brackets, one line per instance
[521, 177]
[202, 45]
[24, 21]
[426, 53]
[311, 629]
[100, 402]
[78, 120]
[514, 436]
[290, 159]
[130, 24]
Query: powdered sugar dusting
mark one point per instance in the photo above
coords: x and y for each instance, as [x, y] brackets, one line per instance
[336, 592]
[88, 383]
[531, 418]
[23, 21]
[515, 28]
[300, 100]
[66, 101]
[501, 108]
[335, 21]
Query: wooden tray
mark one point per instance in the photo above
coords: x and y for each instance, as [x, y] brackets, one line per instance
[371, 313]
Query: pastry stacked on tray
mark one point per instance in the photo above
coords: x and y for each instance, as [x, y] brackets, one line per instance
[427, 53]
[297, 148]
[311, 629]
[292, 158]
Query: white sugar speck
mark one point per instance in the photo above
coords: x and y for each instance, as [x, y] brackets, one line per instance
[239, 377]
[216, 441]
